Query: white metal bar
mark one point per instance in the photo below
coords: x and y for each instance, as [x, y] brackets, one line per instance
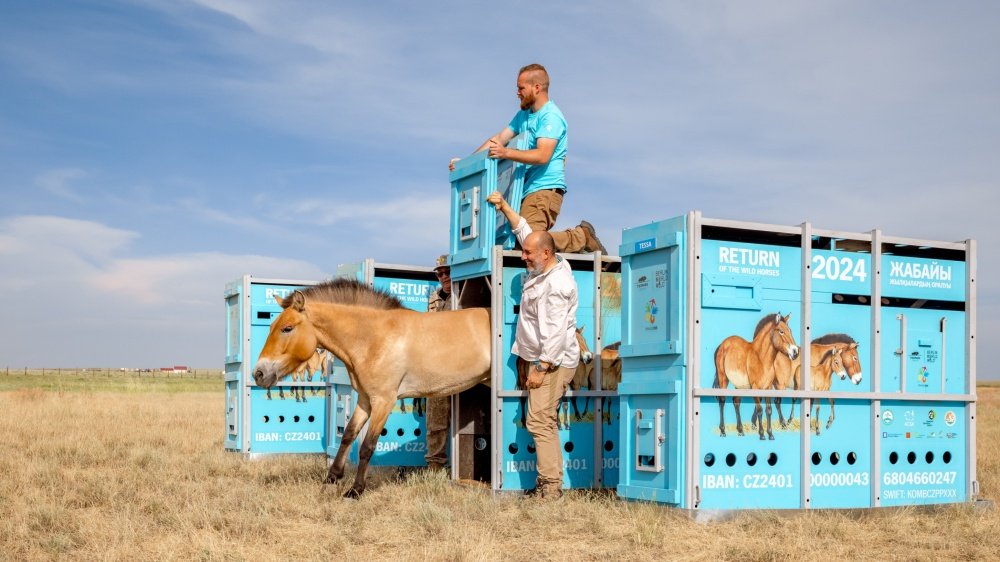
[821, 394]
[922, 243]
[805, 435]
[746, 225]
[875, 414]
[971, 267]
[692, 257]
[496, 370]
[902, 352]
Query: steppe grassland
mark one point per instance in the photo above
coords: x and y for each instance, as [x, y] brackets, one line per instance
[120, 472]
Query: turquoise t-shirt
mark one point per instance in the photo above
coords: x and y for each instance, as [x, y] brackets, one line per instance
[546, 123]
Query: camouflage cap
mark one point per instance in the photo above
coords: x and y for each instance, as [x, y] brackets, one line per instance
[442, 261]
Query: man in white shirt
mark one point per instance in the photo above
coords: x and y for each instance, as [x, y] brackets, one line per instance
[546, 338]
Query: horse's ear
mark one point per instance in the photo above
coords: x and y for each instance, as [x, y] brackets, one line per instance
[777, 318]
[296, 300]
[854, 345]
[581, 327]
[787, 317]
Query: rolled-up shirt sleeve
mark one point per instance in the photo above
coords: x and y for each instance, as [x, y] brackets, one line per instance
[522, 230]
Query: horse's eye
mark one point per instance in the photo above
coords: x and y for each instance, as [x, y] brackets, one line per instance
[287, 329]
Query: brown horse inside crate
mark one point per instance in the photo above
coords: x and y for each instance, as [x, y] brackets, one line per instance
[390, 352]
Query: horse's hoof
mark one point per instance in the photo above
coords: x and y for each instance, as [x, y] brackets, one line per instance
[770, 437]
[352, 494]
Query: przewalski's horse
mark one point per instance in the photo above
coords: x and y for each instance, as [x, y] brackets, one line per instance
[829, 355]
[390, 352]
[750, 364]
[522, 379]
[611, 376]
[580, 379]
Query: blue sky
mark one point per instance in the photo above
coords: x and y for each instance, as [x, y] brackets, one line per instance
[153, 150]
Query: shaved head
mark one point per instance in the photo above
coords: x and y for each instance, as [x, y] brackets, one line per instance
[536, 74]
[538, 252]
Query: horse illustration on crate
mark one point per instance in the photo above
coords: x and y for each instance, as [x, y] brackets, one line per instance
[832, 354]
[750, 364]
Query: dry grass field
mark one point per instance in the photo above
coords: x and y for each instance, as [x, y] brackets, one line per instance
[128, 474]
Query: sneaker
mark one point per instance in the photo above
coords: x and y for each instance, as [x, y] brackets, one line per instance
[593, 243]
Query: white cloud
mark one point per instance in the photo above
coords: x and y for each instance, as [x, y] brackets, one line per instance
[72, 284]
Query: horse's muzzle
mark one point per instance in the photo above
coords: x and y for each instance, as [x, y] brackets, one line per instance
[793, 352]
[264, 374]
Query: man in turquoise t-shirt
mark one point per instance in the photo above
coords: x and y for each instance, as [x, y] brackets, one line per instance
[545, 177]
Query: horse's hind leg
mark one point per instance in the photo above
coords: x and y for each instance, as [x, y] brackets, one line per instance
[739, 419]
[379, 415]
[722, 416]
[829, 422]
[358, 419]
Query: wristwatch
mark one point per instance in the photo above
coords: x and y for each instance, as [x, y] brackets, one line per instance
[539, 368]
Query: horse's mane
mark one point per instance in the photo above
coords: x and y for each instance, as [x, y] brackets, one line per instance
[834, 338]
[763, 322]
[352, 292]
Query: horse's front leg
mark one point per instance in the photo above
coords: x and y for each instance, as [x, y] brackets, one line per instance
[379, 415]
[815, 420]
[758, 412]
[829, 422]
[358, 418]
[739, 418]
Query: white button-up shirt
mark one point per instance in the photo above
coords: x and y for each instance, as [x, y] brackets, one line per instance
[546, 325]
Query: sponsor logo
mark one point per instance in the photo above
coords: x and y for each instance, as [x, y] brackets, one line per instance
[922, 375]
[651, 311]
[642, 282]
[887, 417]
[949, 418]
[909, 418]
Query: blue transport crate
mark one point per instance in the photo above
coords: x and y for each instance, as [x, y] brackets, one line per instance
[719, 315]
[290, 418]
[403, 441]
[475, 225]
[588, 414]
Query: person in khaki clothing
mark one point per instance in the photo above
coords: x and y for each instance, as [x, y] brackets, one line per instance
[439, 409]
[545, 177]
[546, 338]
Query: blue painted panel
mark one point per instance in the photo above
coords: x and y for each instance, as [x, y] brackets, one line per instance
[777, 267]
[840, 455]
[746, 472]
[841, 272]
[576, 437]
[286, 425]
[928, 350]
[920, 278]
[923, 453]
